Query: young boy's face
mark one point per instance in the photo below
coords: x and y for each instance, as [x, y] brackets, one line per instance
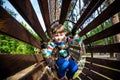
[59, 37]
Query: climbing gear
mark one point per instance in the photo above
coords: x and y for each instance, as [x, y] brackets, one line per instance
[63, 53]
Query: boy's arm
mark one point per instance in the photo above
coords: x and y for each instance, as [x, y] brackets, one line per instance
[75, 41]
[48, 50]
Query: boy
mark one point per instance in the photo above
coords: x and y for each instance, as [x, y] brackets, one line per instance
[66, 65]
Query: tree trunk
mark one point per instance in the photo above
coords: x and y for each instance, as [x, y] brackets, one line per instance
[54, 10]
[114, 20]
[103, 27]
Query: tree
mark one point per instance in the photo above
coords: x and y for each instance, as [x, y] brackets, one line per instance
[1, 2]
[114, 20]
[30, 30]
[13, 46]
[8, 10]
[54, 7]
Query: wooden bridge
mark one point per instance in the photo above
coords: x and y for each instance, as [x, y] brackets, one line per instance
[95, 68]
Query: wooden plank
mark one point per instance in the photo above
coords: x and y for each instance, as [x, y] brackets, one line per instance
[106, 14]
[83, 77]
[35, 73]
[109, 63]
[13, 63]
[111, 48]
[68, 33]
[113, 30]
[114, 75]
[64, 10]
[45, 13]
[9, 26]
[75, 54]
[94, 4]
[27, 12]
[93, 75]
[76, 47]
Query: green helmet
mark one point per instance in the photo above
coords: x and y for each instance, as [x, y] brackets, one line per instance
[63, 53]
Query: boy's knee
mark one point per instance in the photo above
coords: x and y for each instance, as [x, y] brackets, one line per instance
[74, 69]
[65, 65]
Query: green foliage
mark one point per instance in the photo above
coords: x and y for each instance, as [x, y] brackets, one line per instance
[99, 42]
[110, 40]
[12, 46]
[67, 26]
[30, 30]
[107, 24]
[99, 29]
[46, 36]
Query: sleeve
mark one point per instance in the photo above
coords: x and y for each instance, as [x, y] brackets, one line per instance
[75, 41]
[70, 41]
[48, 51]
